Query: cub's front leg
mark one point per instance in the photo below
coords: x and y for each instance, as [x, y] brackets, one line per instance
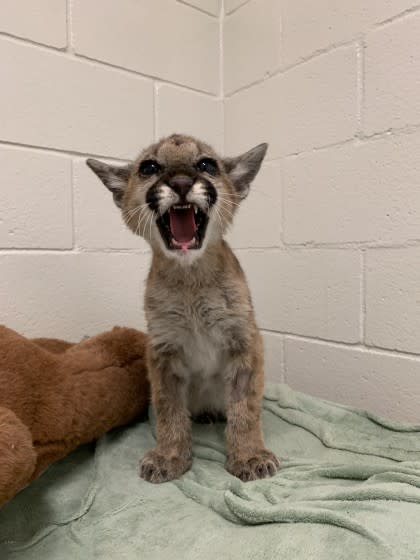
[172, 455]
[247, 457]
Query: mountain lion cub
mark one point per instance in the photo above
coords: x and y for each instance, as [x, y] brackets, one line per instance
[205, 357]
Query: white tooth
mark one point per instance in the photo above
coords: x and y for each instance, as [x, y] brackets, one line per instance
[181, 206]
[195, 209]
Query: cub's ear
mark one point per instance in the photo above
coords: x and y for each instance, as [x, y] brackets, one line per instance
[114, 178]
[243, 169]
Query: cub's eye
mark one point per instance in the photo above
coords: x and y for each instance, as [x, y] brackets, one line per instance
[208, 165]
[149, 167]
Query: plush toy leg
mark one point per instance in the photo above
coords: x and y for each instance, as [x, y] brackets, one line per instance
[17, 455]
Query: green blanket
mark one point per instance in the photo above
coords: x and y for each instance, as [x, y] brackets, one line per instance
[349, 488]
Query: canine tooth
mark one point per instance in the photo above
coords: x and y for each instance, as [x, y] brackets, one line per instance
[195, 209]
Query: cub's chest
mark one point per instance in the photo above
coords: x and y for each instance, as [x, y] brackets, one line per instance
[196, 328]
[203, 351]
[199, 331]
[205, 359]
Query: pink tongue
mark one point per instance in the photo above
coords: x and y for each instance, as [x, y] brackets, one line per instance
[182, 224]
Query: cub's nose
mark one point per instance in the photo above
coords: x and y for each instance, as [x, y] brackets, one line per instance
[181, 184]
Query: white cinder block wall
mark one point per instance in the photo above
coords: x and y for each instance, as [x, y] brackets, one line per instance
[330, 235]
[90, 78]
[334, 87]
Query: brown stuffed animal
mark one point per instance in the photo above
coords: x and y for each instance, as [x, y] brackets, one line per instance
[55, 396]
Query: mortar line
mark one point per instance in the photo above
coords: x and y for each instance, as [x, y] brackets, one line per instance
[362, 296]
[221, 70]
[355, 140]
[197, 8]
[101, 63]
[396, 17]
[332, 246]
[237, 8]
[69, 26]
[71, 251]
[360, 49]
[344, 345]
[58, 151]
[285, 68]
[283, 359]
[155, 111]
[355, 245]
[32, 42]
[73, 209]
[282, 201]
[142, 75]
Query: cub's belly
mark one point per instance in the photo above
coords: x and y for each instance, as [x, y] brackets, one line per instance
[206, 394]
[205, 363]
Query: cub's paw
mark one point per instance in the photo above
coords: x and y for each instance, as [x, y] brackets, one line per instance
[157, 466]
[260, 464]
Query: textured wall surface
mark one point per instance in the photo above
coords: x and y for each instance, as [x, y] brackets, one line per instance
[330, 234]
[334, 87]
[84, 78]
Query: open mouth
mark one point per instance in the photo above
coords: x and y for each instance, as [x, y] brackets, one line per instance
[183, 227]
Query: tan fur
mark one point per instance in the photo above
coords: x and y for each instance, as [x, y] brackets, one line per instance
[56, 395]
[205, 355]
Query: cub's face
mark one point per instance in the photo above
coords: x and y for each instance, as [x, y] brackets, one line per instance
[179, 194]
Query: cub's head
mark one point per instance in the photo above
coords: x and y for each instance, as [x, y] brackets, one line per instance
[179, 194]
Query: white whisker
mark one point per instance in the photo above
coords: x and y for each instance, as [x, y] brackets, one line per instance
[226, 209]
[128, 214]
[146, 223]
[223, 213]
[227, 200]
[138, 220]
[137, 230]
[143, 215]
[150, 226]
[219, 217]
